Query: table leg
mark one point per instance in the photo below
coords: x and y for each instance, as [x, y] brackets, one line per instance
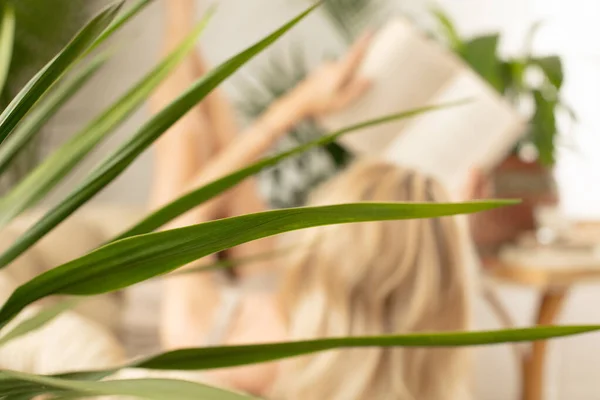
[550, 306]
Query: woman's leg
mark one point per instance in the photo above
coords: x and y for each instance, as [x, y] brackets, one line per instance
[190, 300]
[182, 151]
[244, 198]
[216, 108]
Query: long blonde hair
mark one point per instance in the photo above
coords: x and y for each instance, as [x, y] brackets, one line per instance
[372, 279]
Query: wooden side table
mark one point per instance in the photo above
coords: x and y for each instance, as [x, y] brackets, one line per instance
[553, 277]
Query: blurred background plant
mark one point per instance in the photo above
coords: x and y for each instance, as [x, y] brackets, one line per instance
[533, 85]
[527, 81]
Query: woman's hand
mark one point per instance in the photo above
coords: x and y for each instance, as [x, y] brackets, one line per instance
[334, 85]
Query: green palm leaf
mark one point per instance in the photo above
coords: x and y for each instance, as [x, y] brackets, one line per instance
[234, 356]
[139, 258]
[119, 22]
[42, 112]
[38, 39]
[44, 79]
[449, 30]
[152, 389]
[230, 356]
[7, 35]
[37, 321]
[50, 172]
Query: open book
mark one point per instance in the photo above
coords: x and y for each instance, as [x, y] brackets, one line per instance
[409, 71]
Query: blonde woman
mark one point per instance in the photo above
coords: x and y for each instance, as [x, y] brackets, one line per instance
[361, 279]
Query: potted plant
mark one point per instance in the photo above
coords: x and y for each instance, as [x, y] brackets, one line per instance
[533, 85]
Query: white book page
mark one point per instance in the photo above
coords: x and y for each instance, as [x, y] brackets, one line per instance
[450, 142]
[406, 70]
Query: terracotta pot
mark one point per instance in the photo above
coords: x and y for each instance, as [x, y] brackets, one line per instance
[513, 179]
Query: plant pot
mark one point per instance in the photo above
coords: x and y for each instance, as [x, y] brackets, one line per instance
[513, 179]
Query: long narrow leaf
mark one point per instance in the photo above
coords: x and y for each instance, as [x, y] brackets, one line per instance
[7, 37]
[116, 163]
[139, 258]
[449, 30]
[152, 389]
[230, 356]
[197, 359]
[37, 321]
[48, 75]
[119, 22]
[11, 387]
[207, 192]
[16, 388]
[41, 113]
[50, 172]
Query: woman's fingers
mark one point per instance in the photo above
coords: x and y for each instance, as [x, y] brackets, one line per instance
[333, 85]
[349, 65]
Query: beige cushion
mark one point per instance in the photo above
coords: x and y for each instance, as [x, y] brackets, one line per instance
[70, 342]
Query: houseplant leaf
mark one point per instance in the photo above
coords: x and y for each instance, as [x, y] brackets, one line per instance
[54, 168]
[543, 128]
[121, 158]
[196, 359]
[481, 54]
[37, 321]
[46, 77]
[42, 112]
[139, 258]
[449, 31]
[118, 22]
[229, 356]
[552, 68]
[7, 37]
[152, 389]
